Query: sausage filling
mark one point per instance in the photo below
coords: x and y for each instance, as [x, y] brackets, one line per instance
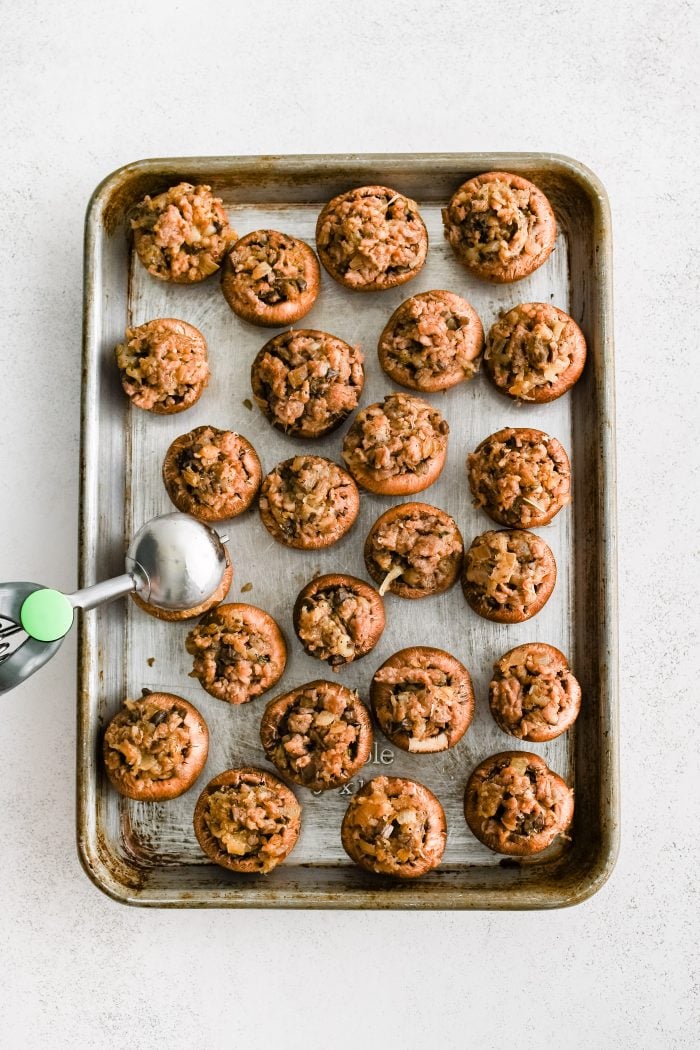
[309, 498]
[161, 366]
[390, 826]
[270, 267]
[334, 624]
[232, 660]
[182, 234]
[419, 549]
[215, 467]
[146, 741]
[492, 222]
[517, 800]
[368, 238]
[308, 379]
[316, 738]
[532, 691]
[529, 348]
[422, 702]
[519, 477]
[505, 570]
[403, 435]
[431, 336]
[250, 821]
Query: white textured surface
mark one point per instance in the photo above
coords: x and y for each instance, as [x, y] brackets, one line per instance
[84, 88]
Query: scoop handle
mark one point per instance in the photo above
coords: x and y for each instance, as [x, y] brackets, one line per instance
[104, 591]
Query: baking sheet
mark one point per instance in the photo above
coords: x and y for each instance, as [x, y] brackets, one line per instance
[146, 853]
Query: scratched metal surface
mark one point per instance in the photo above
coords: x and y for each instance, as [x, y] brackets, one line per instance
[148, 853]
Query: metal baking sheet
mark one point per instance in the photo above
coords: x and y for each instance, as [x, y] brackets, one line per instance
[145, 853]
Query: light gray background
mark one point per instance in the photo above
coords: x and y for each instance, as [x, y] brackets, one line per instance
[85, 88]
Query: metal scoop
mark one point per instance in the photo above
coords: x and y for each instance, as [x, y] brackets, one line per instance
[174, 562]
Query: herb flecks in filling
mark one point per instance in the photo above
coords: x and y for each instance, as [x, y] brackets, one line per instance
[433, 340]
[371, 237]
[147, 741]
[520, 477]
[317, 735]
[333, 624]
[163, 364]
[531, 348]
[249, 821]
[307, 382]
[183, 234]
[401, 435]
[308, 501]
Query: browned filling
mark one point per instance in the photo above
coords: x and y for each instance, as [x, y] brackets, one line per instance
[430, 336]
[419, 547]
[307, 382]
[530, 347]
[182, 234]
[146, 741]
[401, 435]
[533, 691]
[371, 236]
[213, 469]
[519, 476]
[314, 735]
[493, 221]
[517, 799]
[233, 658]
[162, 364]
[308, 501]
[250, 821]
[334, 624]
[421, 700]
[270, 267]
[506, 570]
[394, 824]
